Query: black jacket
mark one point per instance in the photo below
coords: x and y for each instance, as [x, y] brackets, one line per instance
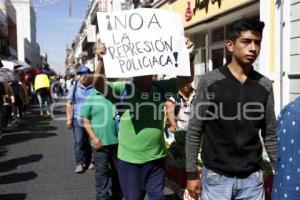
[229, 116]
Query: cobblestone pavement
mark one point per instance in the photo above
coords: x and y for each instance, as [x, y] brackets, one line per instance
[37, 161]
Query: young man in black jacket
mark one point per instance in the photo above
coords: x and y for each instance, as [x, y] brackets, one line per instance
[232, 104]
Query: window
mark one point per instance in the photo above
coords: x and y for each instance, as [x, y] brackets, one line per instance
[217, 56]
[218, 34]
[228, 27]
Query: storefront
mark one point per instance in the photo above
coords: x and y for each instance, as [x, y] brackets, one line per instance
[206, 22]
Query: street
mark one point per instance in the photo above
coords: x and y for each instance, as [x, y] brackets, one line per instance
[37, 161]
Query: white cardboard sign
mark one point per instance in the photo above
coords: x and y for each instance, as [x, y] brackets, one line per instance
[143, 42]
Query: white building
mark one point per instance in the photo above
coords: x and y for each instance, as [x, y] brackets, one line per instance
[3, 30]
[84, 42]
[8, 31]
[288, 12]
[28, 49]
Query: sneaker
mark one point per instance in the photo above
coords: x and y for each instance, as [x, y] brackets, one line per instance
[48, 113]
[91, 166]
[79, 169]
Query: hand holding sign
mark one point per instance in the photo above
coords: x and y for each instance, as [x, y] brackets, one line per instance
[143, 42]
[100, 50]
[189, 45]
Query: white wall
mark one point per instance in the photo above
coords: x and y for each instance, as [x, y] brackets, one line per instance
[26, 31]
[294, 86]
[23, 30]
[279, 73]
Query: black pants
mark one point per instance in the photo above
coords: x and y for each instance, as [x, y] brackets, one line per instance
[6, 116]
[19, 107]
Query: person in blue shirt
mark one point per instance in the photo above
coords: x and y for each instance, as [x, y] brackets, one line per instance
[287, 174]
[75, 99]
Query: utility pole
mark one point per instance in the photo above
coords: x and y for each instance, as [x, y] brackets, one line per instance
[70, 8]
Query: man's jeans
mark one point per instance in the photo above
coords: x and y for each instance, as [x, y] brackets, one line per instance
[216, 186]
[105, 168]
[82, 147]
[43, 102]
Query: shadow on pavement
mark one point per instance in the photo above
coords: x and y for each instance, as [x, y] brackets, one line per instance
[29, 124]
[42, 128]
[26, 126]
[14, 163]
[18, 196]
[171, 197]
[31, 128]
[21, 137]
[17, 177]
[58, 112]
[3, 151]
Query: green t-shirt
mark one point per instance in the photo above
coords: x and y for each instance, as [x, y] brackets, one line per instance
[101, 112]
[141, 126]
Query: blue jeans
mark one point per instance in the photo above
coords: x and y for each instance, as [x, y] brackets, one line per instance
[216, 186]
[105, 168]
[43, 102]
[137, 179]
[82, 147]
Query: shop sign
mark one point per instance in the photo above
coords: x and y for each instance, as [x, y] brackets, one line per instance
[199, 5]
[188, 12]
[203, 4]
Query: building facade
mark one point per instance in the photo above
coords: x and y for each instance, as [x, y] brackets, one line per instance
[85, 41]
[27, 47]
[207, 21]
[8, 32]
[3, 30]
[290, 48]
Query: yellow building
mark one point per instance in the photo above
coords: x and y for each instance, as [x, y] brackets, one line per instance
[206, 22]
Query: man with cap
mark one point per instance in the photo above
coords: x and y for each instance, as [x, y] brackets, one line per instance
[76, 97]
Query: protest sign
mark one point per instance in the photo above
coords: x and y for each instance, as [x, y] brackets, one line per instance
[143, 42]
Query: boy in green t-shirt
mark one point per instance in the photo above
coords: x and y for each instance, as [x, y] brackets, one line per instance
[97, 113]
[141, 151]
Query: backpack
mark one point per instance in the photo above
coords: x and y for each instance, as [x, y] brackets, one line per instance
[126, 92]
[74, 91]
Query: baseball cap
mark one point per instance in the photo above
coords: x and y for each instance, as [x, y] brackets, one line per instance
[45, 71]
[83, 70]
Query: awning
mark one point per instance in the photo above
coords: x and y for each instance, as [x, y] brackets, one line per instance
[10, 64]
[15, 64]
